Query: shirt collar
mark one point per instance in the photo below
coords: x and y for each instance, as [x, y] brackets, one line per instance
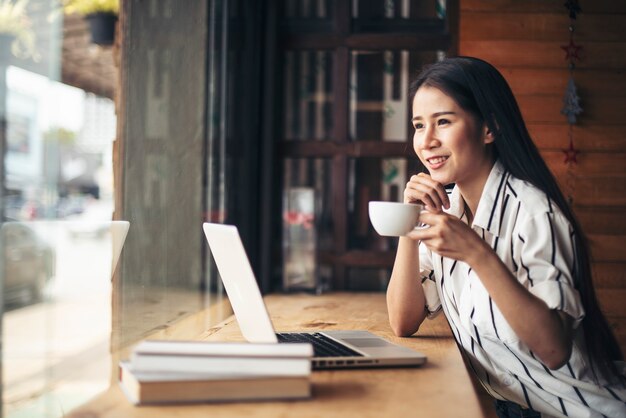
[489, 209]
[457, 206]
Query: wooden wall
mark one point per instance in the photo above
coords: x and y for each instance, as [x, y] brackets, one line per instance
[523, 39]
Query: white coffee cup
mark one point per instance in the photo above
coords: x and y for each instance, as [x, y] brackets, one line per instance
[394, 219]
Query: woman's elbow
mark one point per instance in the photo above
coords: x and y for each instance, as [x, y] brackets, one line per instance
[405, 328]
[403, 331]
[556, 359]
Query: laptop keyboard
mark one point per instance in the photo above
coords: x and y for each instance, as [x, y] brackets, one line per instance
[322, 345]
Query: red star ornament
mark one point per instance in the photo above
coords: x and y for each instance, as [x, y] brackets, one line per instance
[572, 51]
[570, 154]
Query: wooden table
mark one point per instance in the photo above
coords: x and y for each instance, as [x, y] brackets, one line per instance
[440, 388]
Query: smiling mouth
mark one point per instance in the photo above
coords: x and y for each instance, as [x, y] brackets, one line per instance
[436, 160]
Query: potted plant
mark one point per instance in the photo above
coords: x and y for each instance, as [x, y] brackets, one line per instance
[16, 35]
[101, 16]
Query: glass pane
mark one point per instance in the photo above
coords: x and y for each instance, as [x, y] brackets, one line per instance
[375, 179]
[398, 15]
[314, 173]
[379, 83]
[56, 278]
[307, 9]
[306, 16]
[368, 279]
[308, 95]
[65, 316]
[307, 222]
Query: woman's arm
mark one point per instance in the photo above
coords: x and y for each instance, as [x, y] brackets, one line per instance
[406, 303]
[547, 332]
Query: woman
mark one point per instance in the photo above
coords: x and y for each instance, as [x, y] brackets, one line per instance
[503, 255]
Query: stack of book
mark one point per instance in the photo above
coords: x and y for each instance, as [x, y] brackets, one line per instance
[198, 371]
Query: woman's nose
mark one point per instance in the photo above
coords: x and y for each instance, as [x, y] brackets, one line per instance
[428, 139]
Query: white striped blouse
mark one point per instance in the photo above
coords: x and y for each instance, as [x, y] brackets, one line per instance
[535, 240]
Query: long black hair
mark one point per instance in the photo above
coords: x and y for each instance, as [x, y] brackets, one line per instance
[480, 89]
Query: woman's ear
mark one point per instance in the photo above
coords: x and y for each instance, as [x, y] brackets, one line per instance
[488, 135]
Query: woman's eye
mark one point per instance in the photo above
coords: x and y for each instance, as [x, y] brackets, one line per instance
[443, 122]
[418, 126]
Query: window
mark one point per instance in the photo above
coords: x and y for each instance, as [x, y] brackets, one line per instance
[343, 125]
[184, 138]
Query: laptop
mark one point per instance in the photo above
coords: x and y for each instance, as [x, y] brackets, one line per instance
[333, 349]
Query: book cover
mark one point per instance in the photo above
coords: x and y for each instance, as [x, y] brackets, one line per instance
[144, 388]
[221, 364]
[226, 358]
[232, 349]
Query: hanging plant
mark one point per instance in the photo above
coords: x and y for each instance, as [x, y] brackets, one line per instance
[101, 16]
[87, 7]
[16, 34]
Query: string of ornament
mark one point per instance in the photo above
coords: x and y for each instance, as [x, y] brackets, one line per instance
[571, 101]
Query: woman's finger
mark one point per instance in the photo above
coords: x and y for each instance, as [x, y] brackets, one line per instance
[431, 198]
[437, 187]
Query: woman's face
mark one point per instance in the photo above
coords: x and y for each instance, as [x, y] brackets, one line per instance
[449, 141]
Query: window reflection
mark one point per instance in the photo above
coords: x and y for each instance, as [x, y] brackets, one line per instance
[308, 95]
[65, 318]
[368, 279]
[307, 223]
[314, 174]
[309, 9]
[56, 278]
[379, 82]
[395, 15]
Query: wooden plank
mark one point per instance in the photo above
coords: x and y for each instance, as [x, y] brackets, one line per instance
[608, 248]
[541, 6]
[476, 26]
[601, 220]
[609, 275]
[588, 163]
[596, 109]
[590, 137]
[618, 325]
[552, 81]
[586, 190]
[601, 191]
[612, 302]
[597, 191]
[530, 54]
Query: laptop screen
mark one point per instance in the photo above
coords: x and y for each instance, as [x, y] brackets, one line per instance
[240, 284]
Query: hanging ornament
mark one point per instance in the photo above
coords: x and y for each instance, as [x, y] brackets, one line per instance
[571, 102]
[571, 105]
[571, 153]
[572, 51]
[573, 7]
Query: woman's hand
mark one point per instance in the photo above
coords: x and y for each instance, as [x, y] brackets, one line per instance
[450, 237]
[421, 188]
